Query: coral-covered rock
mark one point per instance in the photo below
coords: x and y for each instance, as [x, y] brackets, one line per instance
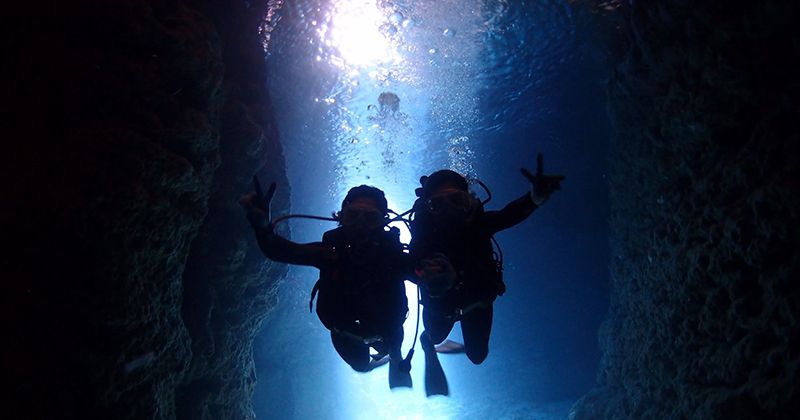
[705, 301]
[229, 286]
[134, 126]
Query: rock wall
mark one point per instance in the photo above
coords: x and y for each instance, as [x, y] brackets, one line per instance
[705, 303]
[226, 296]
[131, 129]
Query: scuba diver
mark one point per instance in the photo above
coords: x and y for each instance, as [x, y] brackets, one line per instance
[361, 292]
[388, 104]
[390, 128]
[452, 239]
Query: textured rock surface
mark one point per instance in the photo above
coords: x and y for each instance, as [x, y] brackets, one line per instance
[705, 303]
[130, 122]
[226, 295]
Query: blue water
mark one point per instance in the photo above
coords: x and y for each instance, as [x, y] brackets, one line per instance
[483, 86]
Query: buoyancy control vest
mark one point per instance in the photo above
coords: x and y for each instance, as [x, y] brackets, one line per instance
[470, 251]
[363, 292]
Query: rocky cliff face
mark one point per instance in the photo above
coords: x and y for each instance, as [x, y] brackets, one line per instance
[226, 295]
[705, 302]
[133, 127]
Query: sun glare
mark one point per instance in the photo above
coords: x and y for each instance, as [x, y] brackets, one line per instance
[357, 30]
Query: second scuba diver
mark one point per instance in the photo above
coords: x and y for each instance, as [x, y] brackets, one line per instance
[361, 294]
[452, 234]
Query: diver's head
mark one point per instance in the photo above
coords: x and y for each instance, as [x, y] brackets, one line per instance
[389, 102]
[441, 180]
[446, 196]
[364, 207]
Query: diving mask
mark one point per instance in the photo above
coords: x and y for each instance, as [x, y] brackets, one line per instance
[452, 202]
[359, 216]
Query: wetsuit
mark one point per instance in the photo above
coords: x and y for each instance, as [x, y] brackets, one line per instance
[479, 279]
[361, 295]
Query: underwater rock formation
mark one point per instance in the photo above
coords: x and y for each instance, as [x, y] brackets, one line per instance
[226, 296]
[134, 126]
[705, 303]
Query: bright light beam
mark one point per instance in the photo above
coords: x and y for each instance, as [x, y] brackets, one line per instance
[355, 31]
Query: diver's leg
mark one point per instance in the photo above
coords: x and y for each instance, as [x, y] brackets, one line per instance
[354, 352]
[435, 379]
[399, 375]
[476, 326]
[437, 325]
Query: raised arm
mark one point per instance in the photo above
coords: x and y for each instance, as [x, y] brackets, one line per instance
[280, 249]
[512, 214]
[275, 247]
[542, 187]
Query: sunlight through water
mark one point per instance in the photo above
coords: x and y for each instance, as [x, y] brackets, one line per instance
[358, 30]
[380, 92]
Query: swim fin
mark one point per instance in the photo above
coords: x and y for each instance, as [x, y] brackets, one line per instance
[378, 361]
[435, 380]
[398, 377]
[450, 346]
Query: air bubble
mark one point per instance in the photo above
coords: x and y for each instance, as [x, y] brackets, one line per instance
[448, 32]
[388, 29]
[396, 18]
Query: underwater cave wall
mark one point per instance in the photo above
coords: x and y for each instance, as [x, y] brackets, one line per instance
[703, 321]
[229, 286]
[132, 127]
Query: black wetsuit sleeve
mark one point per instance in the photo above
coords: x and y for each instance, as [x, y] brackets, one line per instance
[280, 249]
[512, 214]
